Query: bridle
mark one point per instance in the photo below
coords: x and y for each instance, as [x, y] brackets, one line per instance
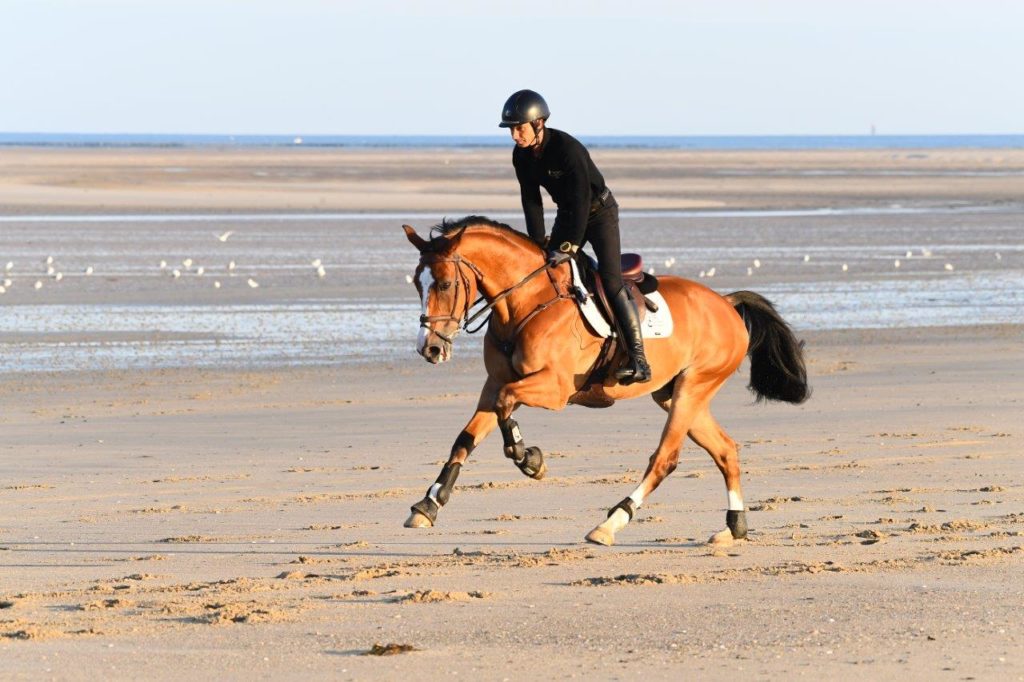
[464, 319]
[463, 279]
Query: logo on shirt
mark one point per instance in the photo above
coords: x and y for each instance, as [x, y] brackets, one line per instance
[556, 174]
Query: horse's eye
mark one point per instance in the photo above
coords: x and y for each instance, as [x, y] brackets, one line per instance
[444, 286]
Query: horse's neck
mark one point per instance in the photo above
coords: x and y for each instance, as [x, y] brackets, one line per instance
[504, 264]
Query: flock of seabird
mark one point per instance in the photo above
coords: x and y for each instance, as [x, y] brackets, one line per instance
[187, 267]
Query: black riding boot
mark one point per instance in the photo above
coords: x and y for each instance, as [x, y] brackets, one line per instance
[638, 371]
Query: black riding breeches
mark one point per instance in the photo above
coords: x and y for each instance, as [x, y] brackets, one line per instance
[603, 236]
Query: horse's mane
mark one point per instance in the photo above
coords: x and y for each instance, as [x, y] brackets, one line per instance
[447, 227]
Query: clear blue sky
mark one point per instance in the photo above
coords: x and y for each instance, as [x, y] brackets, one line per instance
[642, 67]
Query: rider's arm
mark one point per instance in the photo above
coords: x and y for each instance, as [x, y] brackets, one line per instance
[533, 205]
[578, 210]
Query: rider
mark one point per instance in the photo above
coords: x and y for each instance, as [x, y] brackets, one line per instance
[587, 211]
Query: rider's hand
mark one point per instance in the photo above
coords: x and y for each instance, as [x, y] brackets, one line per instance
[556, 258]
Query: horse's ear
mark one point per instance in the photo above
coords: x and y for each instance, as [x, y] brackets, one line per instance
[454, 237]
[419, 242]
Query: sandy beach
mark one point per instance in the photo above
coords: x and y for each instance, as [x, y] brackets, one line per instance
[238, 514]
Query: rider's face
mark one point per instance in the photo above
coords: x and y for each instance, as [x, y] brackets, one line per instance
[523, 135]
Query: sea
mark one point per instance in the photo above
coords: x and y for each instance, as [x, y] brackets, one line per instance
[695, 142]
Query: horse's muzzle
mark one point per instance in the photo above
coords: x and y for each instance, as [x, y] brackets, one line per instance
[437, 351]
[434, 345]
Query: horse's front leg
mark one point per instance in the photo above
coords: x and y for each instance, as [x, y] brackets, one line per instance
[424, 512]
[547, 389]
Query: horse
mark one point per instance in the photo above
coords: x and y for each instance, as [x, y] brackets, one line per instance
[539, 352]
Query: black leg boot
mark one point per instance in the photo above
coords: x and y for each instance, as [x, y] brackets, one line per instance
[638, 370]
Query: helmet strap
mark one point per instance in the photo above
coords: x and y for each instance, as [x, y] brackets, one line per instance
[538, 131]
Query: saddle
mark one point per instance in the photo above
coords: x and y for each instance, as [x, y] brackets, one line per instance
[637, 282]
[612, 354]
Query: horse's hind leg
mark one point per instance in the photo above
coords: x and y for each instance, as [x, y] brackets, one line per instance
[684, 403]
[424, 512]
[706, 433]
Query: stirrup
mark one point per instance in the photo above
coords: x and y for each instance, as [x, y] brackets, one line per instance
[638, 372]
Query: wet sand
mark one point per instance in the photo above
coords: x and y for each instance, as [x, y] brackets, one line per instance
[460, 181]
[226, 523]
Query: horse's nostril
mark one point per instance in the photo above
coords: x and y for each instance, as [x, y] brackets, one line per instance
[433, 351]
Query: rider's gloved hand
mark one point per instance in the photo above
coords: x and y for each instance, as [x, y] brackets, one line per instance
[556, 258]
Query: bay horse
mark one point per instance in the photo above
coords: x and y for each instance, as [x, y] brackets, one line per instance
[539, 352]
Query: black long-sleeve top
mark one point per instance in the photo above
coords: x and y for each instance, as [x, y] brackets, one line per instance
[564, 168]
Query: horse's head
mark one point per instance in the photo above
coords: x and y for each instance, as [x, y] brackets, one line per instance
[447, 286]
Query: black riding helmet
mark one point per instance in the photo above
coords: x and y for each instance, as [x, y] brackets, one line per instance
[525, 106]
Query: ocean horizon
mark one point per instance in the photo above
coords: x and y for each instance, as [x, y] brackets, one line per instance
[684, 142]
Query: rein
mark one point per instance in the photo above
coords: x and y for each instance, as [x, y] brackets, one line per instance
[500, 297]
[465, 319]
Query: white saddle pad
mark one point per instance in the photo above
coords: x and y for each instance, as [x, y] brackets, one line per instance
[656, 325]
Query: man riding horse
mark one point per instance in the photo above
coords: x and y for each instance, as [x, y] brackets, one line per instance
[587, 211]
[538, 352]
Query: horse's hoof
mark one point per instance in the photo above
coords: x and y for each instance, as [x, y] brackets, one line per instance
[722, 538]
[417, 520]
[528, 463]
[599, 536]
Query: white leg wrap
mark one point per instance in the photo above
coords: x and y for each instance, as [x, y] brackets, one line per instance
[637, 496]
[735, 501]
[617, 521]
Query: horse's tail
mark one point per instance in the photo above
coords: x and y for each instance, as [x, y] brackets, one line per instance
[777, 370]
